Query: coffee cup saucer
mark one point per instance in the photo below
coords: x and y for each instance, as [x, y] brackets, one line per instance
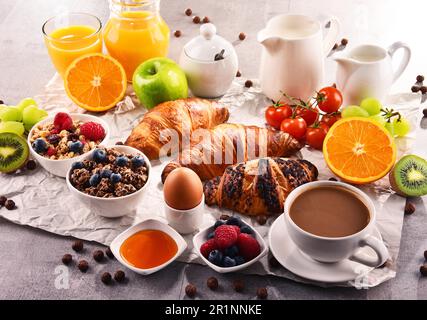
[290, 257]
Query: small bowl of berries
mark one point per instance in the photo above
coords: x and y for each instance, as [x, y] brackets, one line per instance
[58, 141]
[110, 181]
[229, 245]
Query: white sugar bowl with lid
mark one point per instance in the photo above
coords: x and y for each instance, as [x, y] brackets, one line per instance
[209, 62]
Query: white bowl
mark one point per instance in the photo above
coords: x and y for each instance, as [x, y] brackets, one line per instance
[150, 224]
[118, 206]
[202, 236]
[60, 167]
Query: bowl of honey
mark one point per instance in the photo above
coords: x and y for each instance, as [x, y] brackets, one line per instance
[148, 246]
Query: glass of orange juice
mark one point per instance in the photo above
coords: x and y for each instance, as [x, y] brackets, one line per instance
[71, 35]
[135, 32]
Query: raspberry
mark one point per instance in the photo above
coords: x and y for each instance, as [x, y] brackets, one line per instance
[237, 228]
[51, 151]
[225, 236]
[63, 121]
[248, 246]
[207, 247]
[92, 131]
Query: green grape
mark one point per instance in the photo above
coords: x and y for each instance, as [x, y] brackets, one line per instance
[10, 113]
[25, 103]
[31, 115]
[354, 111]
[401, 127]
[378, 118]
[12, 126]
[390, 128]
[371, 105]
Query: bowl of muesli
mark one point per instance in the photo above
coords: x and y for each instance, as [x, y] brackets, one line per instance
[111, 181]
[61, 139]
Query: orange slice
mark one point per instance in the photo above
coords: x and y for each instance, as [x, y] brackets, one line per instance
[359, 150]
[95, 82]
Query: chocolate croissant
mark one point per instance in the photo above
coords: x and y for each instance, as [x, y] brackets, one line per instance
[179, 115]
[260, 186]
[229, 144]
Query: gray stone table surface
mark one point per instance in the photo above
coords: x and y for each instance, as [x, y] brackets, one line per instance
[29, 257]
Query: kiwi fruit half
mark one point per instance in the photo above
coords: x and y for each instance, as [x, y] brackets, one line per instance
[409, 176]
[14, 152]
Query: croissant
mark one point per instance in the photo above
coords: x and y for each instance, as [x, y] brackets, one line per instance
[229, 144]
[183, 114]
[260, 186]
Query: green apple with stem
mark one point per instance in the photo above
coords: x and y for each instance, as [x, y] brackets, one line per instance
[157, 80]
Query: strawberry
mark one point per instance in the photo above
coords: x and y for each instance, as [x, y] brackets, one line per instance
[207, 247]
[248, 246]
[225, 236]
[63, 121]
[51, 151]
[92, 131]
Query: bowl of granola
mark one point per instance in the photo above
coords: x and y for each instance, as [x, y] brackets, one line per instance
[59, 140]
[111, 181]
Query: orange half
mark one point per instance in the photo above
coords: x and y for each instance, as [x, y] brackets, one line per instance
[95, 82]
[359, 150]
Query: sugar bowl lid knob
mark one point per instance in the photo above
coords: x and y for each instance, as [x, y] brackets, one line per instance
[207, 31]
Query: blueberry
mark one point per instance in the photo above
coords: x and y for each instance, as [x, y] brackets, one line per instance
[76, 146]
[228, 262]
[53, 138]
[231, 251]
[246, 229]
[211, 235]
[215, 256]
[94, 180]
[77, 165]
[106, 173]
[115, 177]
[99, 155]
[236, 221]
[122, 161]
[40, 146]
[239, 260]
[218, 223]
[138, 161]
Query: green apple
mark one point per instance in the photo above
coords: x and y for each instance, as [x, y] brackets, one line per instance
[26, 103]
[31, 115]
[157, 80]
[10, 113]
[12, 126]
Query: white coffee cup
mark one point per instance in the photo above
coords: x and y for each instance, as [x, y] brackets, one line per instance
[335, 249]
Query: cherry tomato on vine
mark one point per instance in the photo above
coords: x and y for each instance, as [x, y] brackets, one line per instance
[316, 135]
[329, 99]
[330, 118]
[296, 127]
[276, 113]
[308, 114]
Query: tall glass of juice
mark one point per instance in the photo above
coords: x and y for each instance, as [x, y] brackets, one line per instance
[135, 32]
[71, 35]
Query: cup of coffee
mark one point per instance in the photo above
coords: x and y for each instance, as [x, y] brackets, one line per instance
[329, 221]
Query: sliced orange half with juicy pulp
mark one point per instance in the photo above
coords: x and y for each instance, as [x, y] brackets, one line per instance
[359, 150]
[95, 82]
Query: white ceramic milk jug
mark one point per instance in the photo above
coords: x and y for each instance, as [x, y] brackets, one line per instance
[367, 70]
[293, 55]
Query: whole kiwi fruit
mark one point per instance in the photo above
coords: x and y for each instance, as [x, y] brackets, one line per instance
[14, 152]
[409, 176]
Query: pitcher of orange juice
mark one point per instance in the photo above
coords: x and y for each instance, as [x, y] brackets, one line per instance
[135, 32]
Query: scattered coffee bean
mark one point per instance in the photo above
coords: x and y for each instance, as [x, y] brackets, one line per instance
[335, 47]
[344, 42]
[190, 290]
[177, 33]
[248, 83]
[67, 258]
[420, 78]
[262, 220]
[119, 143]
[242, 36]
[425, 112]
[77, 245]
[196, 19]
[415, 89]
[262, 293]
[3, 200]
[31, 165]
[409, 208]
[206, 20]
[425, 254]
[272, 261]
[238, 285]
[188, 12]
[224, 217]
[212, 283]
[10, 204]
[83, 265]
[423, 270]
[333, 179]
[119, 276]
[238, 74]
[98, 255]
[1, 102]
[423, 89]
[109, 253]
[106, 278]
